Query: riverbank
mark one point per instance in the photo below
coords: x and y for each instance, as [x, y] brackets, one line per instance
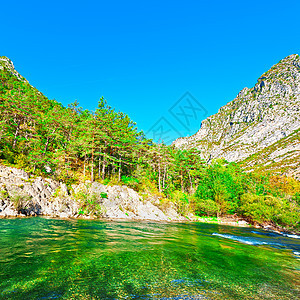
[22, 196]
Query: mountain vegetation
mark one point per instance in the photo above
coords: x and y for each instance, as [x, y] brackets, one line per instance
[74, 145]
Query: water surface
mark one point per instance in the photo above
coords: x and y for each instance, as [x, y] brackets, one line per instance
[82, 259]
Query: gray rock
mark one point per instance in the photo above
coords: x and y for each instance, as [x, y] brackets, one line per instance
[39, 196]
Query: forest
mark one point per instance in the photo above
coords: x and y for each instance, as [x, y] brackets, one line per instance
[73, 145]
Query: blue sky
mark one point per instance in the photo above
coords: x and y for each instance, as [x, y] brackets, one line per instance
[143, 56]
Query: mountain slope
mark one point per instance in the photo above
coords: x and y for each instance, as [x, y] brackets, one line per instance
[281, 157]
[7, 65]
[265, 115]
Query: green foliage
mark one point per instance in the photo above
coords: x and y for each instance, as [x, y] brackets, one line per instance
[3, 195]
[206, 207]
[57, 192]
[257, 208]
[90, 204]
[296, 198]
[130, 181]
[224, 189]
[103, 195]
[270, 208]
[19, 201]
[222, 184]
[106, 181]
[181, 201]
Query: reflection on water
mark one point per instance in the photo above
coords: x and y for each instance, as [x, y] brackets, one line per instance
[82, 259]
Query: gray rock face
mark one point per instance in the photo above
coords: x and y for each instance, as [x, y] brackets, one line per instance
[256, 119]
[123, 202]
[21, 195]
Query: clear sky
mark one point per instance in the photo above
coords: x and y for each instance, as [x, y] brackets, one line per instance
[143, 56]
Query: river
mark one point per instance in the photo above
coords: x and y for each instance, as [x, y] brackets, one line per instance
[93, 259]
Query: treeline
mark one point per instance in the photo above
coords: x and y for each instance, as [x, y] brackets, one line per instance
[73, 145]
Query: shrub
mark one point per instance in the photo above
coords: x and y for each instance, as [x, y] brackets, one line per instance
[205, 207]
[254, 206]
[289, 217]
[222, 184]
[57, 192]
[106, 181]
[130, 181]
[181, 201]
[21, 161]
[3, 195]
[19, 201]
[90, 204]
[269, 208]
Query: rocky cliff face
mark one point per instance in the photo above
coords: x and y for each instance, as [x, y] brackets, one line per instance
[256, 120]
[21, 195]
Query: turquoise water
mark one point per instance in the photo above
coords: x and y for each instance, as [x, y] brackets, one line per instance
[83, 259]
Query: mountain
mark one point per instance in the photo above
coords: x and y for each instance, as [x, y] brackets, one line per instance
[260, 127]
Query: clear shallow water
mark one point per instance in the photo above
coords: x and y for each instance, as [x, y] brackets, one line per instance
[82, 259]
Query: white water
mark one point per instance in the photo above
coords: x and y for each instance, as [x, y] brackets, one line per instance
[266, 238]
[243, 239]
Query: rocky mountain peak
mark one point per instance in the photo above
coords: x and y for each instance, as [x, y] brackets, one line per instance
[256, 119]
[7, 64]
[293, 59]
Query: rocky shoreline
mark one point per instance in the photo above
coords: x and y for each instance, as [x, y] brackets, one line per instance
[22, 195]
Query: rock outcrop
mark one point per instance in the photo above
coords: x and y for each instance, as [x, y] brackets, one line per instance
[21, 195]
[256, 120]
